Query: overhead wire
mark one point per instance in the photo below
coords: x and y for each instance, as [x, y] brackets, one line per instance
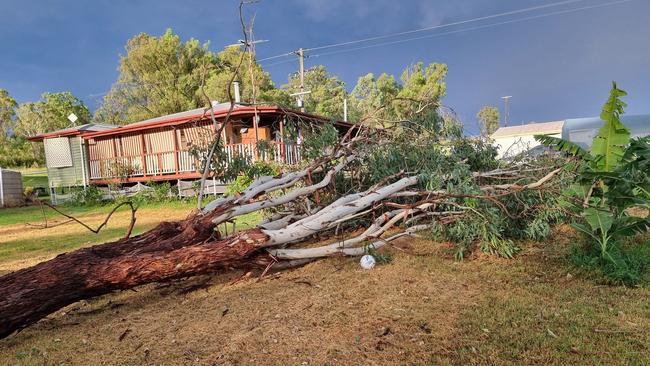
[397, 34]
[532, 17]
[449, 32]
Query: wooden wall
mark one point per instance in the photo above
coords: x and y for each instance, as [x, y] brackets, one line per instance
[70, 176]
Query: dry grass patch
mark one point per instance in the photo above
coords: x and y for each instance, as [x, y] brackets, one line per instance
[421, 309]
[328, 312]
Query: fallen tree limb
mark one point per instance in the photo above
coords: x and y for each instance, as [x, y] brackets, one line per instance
[129, 230]
[193, 246]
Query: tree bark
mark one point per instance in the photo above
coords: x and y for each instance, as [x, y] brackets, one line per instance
[171, 250]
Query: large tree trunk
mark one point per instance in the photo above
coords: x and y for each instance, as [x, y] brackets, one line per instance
[172, 250]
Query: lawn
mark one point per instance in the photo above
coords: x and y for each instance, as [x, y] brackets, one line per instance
[23, 240]
[423, 308]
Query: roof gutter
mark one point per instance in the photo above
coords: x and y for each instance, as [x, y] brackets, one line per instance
[198, 117]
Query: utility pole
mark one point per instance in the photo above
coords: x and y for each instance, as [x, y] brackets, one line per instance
[301, 55]
[506, 100]
[300, 96]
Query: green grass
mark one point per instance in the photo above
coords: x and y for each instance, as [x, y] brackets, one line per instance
[23, 243]
[544, 311]
[35, 181]
[34, 214]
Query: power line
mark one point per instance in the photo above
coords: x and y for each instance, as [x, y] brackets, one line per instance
[459, 30]
[512, 12]
[473, 28]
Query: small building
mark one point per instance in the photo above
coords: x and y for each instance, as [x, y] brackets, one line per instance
[66, 157]
[513, 140]
[583, 130]
[11, 188]
[166, 148]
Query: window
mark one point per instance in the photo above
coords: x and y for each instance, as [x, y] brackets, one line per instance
[57, 152]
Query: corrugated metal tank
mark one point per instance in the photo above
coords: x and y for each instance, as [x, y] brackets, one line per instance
[583, 130]
[11, 188]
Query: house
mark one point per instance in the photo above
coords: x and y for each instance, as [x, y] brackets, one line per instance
[161, 148]
[513, 140]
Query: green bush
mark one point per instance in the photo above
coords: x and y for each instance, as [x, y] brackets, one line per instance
[249, 173]
[625, 265]
[86, 196]
[612, 179]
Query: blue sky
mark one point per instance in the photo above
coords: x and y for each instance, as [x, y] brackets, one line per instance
[555, 67]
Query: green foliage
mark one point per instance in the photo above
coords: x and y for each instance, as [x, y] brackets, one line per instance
[448, 162]
[384, 101]
[250, 173]
[7, 114]
[612, 179]
[562, 145]
[85, 196]
[609, 145]
[380, 257]
[319, 140]
[18, 152]
[488, 120]
[32, 118]
[217, 84]
[157, 76]
[468, 232]
[327, 92]
[625, 265]
[49, 114]
[371, 99]
[160, 192]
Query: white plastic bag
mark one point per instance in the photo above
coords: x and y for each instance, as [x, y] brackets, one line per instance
[367, 262]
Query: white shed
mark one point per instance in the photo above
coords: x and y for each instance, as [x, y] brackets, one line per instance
[11, 188]
[513, 140]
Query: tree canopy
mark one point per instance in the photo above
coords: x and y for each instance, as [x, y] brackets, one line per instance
[157, 76]
[48, 114]
[382, 100]
[7, 112]
[327, 91]
[228, 60]
[488, 120]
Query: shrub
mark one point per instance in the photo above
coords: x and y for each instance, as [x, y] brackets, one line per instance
[90, 195]
[255, 170]
[625, 265]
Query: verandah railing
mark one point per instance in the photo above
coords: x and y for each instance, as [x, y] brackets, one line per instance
[177, 162]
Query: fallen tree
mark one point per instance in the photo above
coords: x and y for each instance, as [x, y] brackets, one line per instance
[358, 194]
[397, 204]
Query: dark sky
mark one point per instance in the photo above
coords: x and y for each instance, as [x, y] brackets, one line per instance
[555, 67]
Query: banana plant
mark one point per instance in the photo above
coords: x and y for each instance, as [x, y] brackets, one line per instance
[613, 176]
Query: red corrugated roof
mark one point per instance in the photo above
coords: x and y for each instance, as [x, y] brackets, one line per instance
[202, 114]
[72, 131]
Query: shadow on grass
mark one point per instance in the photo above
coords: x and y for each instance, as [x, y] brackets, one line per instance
[24, 249]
